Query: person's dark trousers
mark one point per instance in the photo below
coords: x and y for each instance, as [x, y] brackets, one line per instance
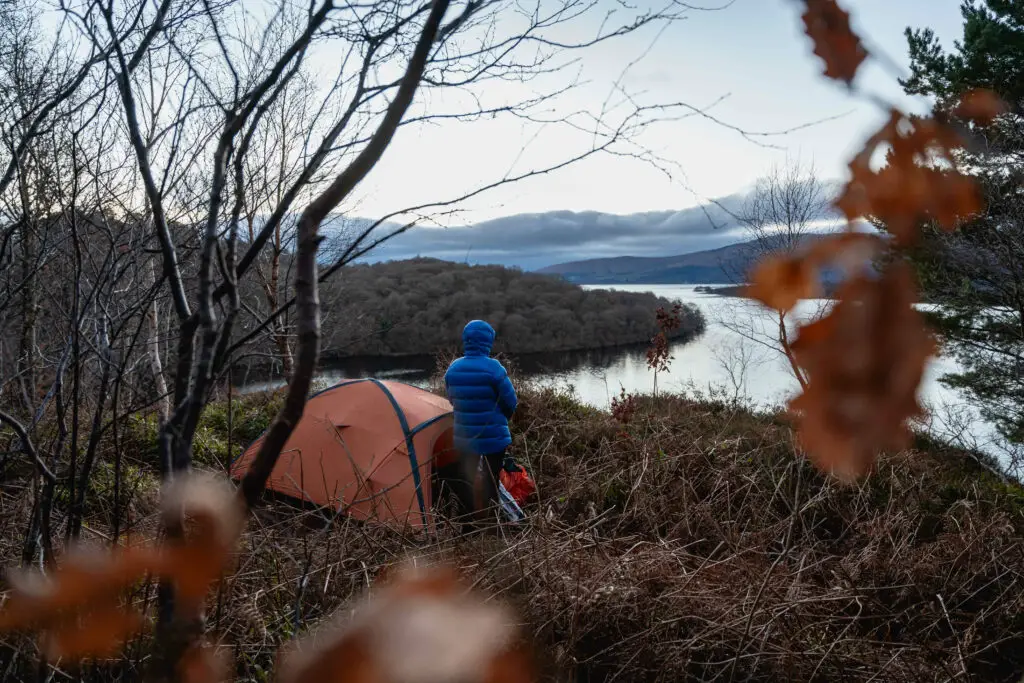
[477, 492]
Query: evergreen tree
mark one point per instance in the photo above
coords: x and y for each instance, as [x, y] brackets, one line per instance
[976, 273]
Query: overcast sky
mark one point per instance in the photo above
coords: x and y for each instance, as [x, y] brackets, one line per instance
[750, 60]
[532, 241]
[753, 53]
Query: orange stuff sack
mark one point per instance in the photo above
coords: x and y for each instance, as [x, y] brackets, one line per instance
[519, 484]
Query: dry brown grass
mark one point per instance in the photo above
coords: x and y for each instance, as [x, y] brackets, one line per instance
[695, 544]
[688, 544]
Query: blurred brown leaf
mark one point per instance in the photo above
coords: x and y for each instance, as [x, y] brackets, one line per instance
[910, 188]
[421, 627]
[780, 282]
[512, 666]
[981, 105]
[217, 516]
[78, 604]
[84, 578]
[202, 663]
[850, 251]
[828, 25]
[98, 634]
[865, 361]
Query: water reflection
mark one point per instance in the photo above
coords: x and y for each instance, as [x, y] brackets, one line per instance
[564, 367]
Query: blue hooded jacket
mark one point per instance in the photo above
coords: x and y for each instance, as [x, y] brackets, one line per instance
[481, 393]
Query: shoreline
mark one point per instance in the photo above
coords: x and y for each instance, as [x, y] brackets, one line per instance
[260, 372]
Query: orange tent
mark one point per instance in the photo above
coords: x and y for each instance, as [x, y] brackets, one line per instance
[367, 448]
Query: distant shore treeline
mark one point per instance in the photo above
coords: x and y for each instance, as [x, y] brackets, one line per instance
[420, 306]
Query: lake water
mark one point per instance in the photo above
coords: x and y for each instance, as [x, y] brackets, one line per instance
[729, 357]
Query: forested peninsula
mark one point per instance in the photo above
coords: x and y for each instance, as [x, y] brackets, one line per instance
[419, 306]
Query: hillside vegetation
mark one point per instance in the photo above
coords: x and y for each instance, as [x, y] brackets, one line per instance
[676, 539]
[420, 306]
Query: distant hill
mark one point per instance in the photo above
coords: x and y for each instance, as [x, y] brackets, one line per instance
[714, 266]
[535, 240]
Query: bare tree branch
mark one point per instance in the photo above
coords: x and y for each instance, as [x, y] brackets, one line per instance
[27, 447]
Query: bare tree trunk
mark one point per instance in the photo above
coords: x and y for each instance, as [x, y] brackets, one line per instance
[76, 513]
[272, 293]
[787, 349]
[156, 365]
[273, 300]
[29, 309]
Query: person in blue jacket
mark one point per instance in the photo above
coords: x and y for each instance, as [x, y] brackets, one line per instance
[483, 399]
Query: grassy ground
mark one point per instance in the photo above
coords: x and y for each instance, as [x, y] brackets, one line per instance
[681, 540]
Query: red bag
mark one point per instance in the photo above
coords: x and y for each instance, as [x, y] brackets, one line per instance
[519, 484]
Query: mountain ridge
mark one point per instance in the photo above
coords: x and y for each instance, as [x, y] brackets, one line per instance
[721, 265]
[710, 266]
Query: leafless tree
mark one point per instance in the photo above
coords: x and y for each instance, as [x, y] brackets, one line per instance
[786, 209]
[738, 358]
